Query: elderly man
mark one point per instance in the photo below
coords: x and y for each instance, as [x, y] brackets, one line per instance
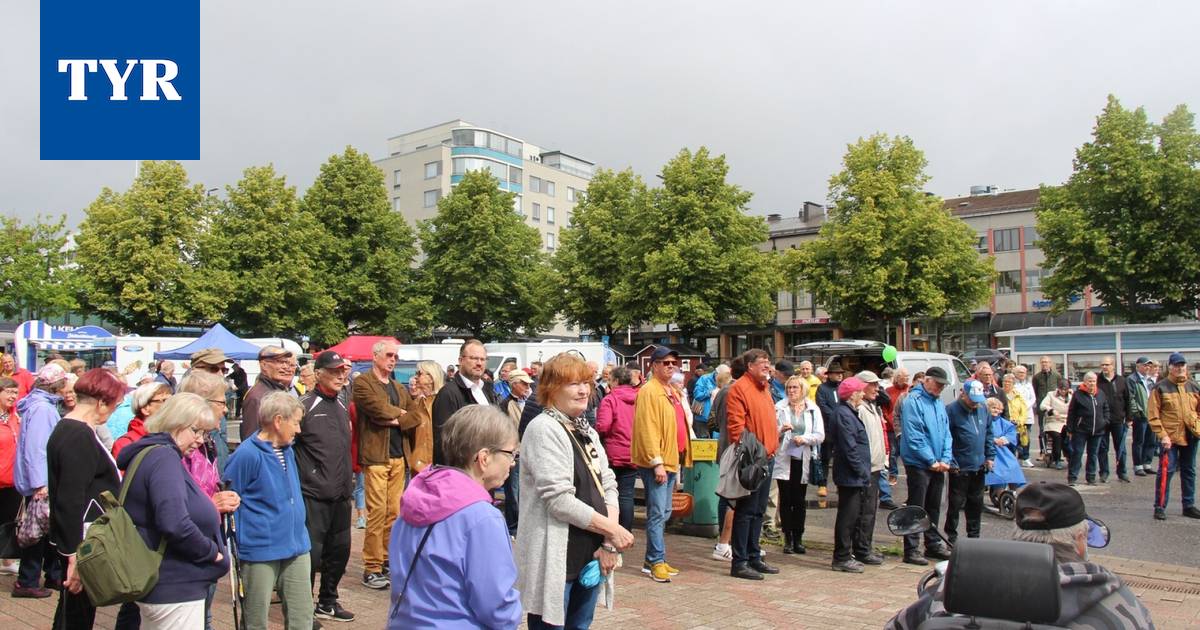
[891, 413]
[1115, 389]
[660, 437]
[211, 360]
[1172, 413]
[986, 375]
[1044, 382]
[805, 370]
[501, 384]
[466, 388]
[974, 455]
[166, 374]
[382, 405]
[749, 408]
[1139, 385]
[782, 372]
[827, 400]
[520, 386]
[1087, 422]
[327, 480]
[277, 366]
[1090, 596]
[926, 447]
[872, 415]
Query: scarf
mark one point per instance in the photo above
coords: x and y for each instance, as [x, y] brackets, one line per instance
[580, 424]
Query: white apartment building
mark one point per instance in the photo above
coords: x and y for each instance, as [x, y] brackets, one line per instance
[422, 166]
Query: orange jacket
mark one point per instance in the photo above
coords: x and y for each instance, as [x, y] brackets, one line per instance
[750, 407]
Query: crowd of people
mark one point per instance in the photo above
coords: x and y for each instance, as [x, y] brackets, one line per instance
[417, 465]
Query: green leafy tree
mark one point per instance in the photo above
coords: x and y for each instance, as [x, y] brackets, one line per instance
[888, 250]
[266, 249]
[691, 256]
[483, 266]
[590, 260]
[35, 280]
[369, 261]
[137, 253]
[1126, 223]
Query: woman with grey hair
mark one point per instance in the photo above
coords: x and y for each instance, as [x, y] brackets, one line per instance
[145, 401]
[452, 562]
[167, 504]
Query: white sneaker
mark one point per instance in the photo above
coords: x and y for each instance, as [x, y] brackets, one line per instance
[722, 552]
[1027, 464]
[9, 568]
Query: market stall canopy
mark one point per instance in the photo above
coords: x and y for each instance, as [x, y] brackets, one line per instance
[216, 337]
[358, 347]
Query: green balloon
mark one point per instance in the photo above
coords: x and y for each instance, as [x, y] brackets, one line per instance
[889, 353]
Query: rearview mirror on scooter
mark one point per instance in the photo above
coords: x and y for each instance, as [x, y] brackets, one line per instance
[1098, 534]
[908, 520]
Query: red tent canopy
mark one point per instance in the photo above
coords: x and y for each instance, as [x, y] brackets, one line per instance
[358, 347]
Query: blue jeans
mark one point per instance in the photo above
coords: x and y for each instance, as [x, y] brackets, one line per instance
[579, 603]
[360, 493]
[747, 524]
[885, 488]
[1143, 443]
[1183, 459]
[658, 510]
[36, 558]
[1115, 434]
[1080, 445]
[510, 498]
[626, 480]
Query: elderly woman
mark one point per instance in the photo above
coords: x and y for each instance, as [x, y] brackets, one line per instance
[273, 541]
[1055, 406]
[10, 427]
[801, 431]
[452, 560]
[166, 503]
[568, 498]
[79, 468]
[1020, 415]
[418, 441]
[614, 424]
[147, 400]
[851, 473]
[1087, 421]
[39, 415]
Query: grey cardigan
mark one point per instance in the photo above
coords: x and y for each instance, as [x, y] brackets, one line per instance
[548, 507]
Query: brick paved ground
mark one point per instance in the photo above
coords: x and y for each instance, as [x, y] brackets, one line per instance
[805, 595]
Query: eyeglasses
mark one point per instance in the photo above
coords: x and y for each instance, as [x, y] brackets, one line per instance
[159, 400]
[516, 456]
[196, 430]
[669, 363]
[218, 402]
[390, 355]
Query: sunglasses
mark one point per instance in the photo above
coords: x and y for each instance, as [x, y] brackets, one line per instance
[669, 363]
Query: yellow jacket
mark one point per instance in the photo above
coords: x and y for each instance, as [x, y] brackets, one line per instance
[654, 430]
[1018, 409]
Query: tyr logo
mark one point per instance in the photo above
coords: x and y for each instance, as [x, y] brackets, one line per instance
[152, 81]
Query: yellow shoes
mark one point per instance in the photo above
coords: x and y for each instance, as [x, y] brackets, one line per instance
[660, 571]
[822, 491]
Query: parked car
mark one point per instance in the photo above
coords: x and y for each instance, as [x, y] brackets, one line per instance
[990, 355]
[857, 355]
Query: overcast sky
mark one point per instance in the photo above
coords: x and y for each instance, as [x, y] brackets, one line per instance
[994, 93]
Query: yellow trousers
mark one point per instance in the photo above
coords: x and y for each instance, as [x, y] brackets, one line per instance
[383, 484]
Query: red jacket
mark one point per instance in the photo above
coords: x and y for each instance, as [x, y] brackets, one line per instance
[137, 430]
[749, 406]
[614, 423]
[8, 447]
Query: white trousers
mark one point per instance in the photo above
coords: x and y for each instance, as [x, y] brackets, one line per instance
[182, 616]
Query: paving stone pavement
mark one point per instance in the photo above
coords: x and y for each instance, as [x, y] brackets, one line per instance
[806, 594]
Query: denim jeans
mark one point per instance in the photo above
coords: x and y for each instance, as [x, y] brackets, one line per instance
[885, 488]
[360, 493]
[747, 524]
[1182, 459]
[1084, 445]
[36, 558]
[1115, 434]
[658, 510]
[1143, 443]
[626, 481]
[579, 605]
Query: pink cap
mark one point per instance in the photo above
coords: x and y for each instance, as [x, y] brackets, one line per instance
[51, 373]
[849, 386]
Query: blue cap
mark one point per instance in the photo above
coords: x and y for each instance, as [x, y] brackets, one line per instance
[1176, 358]
[974, 390]
[662, 352]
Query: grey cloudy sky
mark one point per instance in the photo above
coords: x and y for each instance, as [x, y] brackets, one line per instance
[995, 93]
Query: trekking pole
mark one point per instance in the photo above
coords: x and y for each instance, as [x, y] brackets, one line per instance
[237, 590]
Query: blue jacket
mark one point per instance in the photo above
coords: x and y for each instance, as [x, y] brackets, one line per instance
[39, 413]
[465, 576]
[926, 439]
[163, 500]
[1007, 470]
[270, 520]
[778, 393]
[971, 432]
[705, 386]
[852, 457]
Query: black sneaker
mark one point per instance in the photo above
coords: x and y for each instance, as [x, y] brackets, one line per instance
[939, 552]
[915, 557]
[333, 612]
[1191, 512]
[872, 558]
[1160, 514]
[377, 581]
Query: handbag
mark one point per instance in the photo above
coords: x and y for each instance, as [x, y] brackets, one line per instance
[33, 521]
[8, 541]
[113, 561]
[682, 504]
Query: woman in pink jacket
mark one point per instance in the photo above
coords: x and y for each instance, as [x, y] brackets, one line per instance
[614, 424]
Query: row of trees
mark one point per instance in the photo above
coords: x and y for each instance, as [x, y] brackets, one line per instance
[337, 259]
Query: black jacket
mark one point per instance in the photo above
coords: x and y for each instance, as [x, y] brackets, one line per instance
[1087, 414]
[323, 448]
[454, 396]
[77, 471]
[1117, 393]
[852, 457]
[827, 402]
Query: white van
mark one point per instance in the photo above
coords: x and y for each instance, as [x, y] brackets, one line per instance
[856, 355]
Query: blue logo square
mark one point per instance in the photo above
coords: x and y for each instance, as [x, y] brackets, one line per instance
[120, 80]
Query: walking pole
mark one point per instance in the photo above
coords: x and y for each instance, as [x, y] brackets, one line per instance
[236, 589]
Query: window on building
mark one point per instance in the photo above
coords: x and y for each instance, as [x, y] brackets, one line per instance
[550, 241]
[571, 194]
[549, 214]
[433, 169]
[536, 215]
[1006, 240]
[548, 187]
[1031, 238]
[461, 165]
[1034, 278]
[981, 244]
[497, 143]
[535, 184]
[396, 204]
[514, 175]
[396, 178]
[785, 301]
[431, 197]
[1008, 282]
[803, 299]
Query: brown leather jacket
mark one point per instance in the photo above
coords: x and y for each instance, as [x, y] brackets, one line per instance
[375, 414]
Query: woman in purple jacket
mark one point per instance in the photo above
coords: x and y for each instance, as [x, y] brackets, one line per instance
[614, 424]
[463, 574]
